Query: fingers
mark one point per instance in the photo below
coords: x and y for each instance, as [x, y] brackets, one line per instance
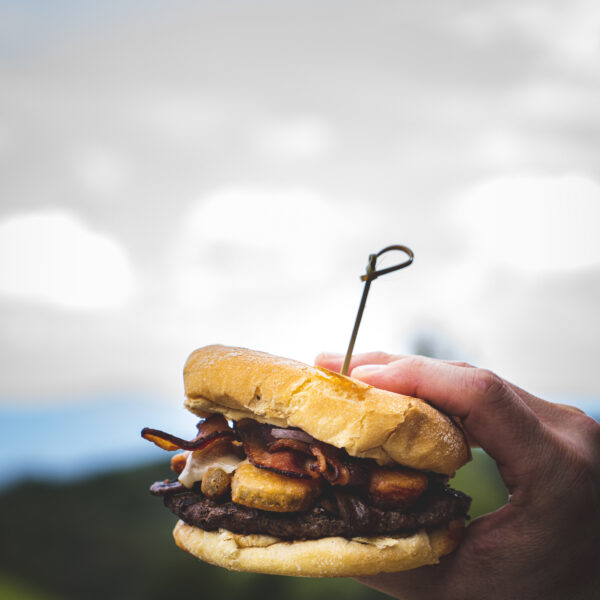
[491, 411]
[334, 361]
[559, 416]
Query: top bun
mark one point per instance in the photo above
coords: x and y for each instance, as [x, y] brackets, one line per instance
[344, 412]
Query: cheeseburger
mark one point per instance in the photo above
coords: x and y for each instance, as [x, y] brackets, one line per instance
[297, 470]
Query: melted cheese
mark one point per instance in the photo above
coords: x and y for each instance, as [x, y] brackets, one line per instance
[199, 461]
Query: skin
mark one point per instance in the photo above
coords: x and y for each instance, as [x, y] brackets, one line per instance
[545, 543]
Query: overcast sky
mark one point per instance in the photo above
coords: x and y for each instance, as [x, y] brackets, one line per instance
[173, 175]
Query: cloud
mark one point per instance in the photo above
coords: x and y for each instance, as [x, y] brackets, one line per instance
[52, 257]
[100, 170]
[540, 331]
[268, 122]
[536, 224]
[298, 138]
[568, 33]
[269, 267]
[260, 239]
[520, 292]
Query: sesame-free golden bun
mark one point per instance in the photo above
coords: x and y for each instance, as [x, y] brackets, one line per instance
[325, 557]
[365, 421]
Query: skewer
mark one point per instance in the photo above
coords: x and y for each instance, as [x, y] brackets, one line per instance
[369, 276]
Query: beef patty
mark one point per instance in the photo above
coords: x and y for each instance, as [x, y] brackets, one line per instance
[344, 513]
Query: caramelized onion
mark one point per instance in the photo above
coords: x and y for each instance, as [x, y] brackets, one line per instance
[336, 466]
[163, 488]
[292, 434]
[352, 508]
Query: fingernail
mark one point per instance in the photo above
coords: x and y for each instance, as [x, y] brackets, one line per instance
[368, 369]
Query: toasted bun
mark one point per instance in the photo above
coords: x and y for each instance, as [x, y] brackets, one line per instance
[341, 411]
[326, 557]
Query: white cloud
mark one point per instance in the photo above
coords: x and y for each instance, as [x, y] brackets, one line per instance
[568, 32]
[295, 138]
[100, 170]
[536, 224]
[267, 267]
[552, 100]
[503, 149]
[521, 294]
[52, 257]
[162, 107]
[260, 239]
[177, 116]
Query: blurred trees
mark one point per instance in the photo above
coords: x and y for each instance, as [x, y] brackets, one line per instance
[106, 537]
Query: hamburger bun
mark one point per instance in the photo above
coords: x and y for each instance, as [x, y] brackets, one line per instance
[365, 421]
[325, 557]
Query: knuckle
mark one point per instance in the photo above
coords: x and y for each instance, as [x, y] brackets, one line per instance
[415, 361]
[567, 409]
[591, 427]
[380, 357]
[487, 383]
[573, 459]
[578, 465]
[581, 469]
[591, 430]
[595, 427]
[411, 368]
[460, 363]
[415, 365]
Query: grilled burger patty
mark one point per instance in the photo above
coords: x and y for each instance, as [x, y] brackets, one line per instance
[344, 514]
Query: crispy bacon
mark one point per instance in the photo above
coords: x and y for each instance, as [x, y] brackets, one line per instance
[285, 461]
[333, 464]
[209, 430]
[289, 444]
[291, 456]
[336, 466]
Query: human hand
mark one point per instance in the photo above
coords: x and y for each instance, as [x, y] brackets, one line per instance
[545, 543]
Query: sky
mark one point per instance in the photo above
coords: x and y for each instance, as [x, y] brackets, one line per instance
[175, 175]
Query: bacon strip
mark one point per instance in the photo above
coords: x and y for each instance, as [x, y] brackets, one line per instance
[284, 455]
[213, 428]
[289, 444]
[336, 466]
[284, 461]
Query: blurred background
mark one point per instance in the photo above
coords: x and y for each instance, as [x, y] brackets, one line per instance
[185, 173]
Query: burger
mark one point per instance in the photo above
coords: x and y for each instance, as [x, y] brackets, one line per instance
[297, 470]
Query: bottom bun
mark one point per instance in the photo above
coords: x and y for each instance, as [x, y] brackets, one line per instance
[325, 557]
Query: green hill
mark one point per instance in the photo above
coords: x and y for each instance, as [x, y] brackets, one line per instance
[106, 537]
